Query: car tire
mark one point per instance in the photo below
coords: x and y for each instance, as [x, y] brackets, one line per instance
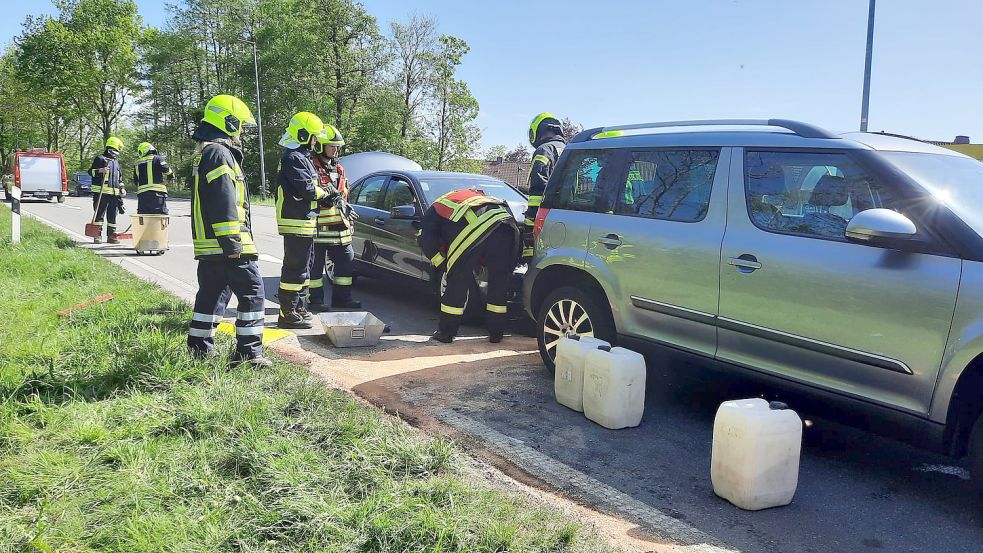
[61, 198]
[563, 313]
[976, 454]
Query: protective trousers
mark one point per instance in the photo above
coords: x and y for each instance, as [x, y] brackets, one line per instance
[295, 275]
[152, 203]
[343, 259]
[498, 254]
[106, 208]
[218, 279]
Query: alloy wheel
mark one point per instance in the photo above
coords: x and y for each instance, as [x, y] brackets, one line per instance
[565, 318]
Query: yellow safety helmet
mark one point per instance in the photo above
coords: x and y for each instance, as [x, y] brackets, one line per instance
[114, 143]
[545, 119]
[228, 114]
[145, 148]
[334, 136]
[302, 127]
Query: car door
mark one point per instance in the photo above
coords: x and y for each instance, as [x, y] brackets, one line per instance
[366, 196]
[396, 238]
[661, 245]
[799, 301]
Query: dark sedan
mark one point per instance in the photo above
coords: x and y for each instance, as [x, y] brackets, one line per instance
[390, 205]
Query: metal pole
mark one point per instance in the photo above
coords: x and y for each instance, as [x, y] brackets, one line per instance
[870, 49]
[259, 125]
[15, 212]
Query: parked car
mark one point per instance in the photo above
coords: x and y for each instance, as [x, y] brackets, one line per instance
[390, 205]
[848, 267]
[82, 184]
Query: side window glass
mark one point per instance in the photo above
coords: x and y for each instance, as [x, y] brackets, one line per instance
[669, 185]
[809, 194]
[399, 193]
[369, 192]
[580, 186]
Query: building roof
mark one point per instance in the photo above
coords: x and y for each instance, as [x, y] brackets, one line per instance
[515, 173]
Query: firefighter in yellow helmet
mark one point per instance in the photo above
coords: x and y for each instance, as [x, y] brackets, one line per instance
[298, 192]
[546, 137]
[222, 234]
[335, 223]
[149, 174]
[107, 188]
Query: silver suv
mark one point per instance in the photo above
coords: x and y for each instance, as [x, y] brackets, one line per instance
[848, 266]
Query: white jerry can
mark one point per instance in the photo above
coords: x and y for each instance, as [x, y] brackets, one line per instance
[568, 375]
[614, 387]
[755, 459]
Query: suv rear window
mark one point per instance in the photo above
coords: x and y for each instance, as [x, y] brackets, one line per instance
[581, 182]
[669, 185]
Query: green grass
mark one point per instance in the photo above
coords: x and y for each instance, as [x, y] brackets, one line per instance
[113, 439]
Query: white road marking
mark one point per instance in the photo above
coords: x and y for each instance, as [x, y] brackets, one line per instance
[958, 472]
[68, 206]
[270, 259]
[584, 487]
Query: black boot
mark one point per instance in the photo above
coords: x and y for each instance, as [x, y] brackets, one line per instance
[289, 316]
[440, 336]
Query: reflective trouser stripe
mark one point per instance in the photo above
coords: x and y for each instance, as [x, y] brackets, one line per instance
[496, 308]
[451, 310]
[527, 252]
[291, 287]
[437, 259]
[317, 283]
[343, 281]
[201, 332]
[250, 315]
[206, 317]
[249, 330]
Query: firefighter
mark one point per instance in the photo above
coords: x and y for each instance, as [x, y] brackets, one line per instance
[546, 137]
[107, 188]
[148, 176]
[335, 223]
[222, 234]
[298, 193]
[459, 231]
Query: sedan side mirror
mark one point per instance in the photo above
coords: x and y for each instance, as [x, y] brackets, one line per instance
[881, 228]
[403, 212]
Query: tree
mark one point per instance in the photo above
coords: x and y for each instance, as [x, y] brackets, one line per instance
[454, 107]
[414, 44]
[495, 152]
[519, 153]
[569, 129]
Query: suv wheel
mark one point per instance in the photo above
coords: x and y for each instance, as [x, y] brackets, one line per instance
[976, 453]
[569, 311]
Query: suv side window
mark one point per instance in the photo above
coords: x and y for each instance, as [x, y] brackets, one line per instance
[369, 193]
[813, 194]
[581, 184]
[669, 185]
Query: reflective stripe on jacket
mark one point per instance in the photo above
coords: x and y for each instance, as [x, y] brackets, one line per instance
[220, 214]
[457, 222]
[332, 228]
[297, 193]
[149, 174]
[106, 176]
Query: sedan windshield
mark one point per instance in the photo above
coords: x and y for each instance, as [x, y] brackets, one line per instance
[435, 187]
[956, 181]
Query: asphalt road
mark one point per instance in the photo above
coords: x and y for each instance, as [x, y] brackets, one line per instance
[857, 491]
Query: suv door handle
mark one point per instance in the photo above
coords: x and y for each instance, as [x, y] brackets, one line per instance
[379, 221]
[745, 263]
[610, 240]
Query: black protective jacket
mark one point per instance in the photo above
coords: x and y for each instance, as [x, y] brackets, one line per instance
[548, 150]
[107, 177]
[297, 193]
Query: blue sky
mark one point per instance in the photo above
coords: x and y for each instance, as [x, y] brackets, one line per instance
[625, 61]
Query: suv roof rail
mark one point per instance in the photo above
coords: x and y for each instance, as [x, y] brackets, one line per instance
[805, 130]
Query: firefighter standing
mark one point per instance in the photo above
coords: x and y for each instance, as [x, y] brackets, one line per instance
[546, 137]
[298, 193]
[334, 228]
[107, 188]
[222, 234]
[148, 175]
[459, 231]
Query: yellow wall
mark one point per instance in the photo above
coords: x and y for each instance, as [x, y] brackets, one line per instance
[972, 150]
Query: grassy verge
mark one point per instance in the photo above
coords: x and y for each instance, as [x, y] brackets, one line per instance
[113, 439]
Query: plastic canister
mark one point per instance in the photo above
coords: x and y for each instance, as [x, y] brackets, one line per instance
[755, 459]
[568, 376]
[614, 387]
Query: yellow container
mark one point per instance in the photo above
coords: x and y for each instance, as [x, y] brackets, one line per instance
[150, 234]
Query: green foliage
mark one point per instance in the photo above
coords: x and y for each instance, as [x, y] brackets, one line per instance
[113, 439]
